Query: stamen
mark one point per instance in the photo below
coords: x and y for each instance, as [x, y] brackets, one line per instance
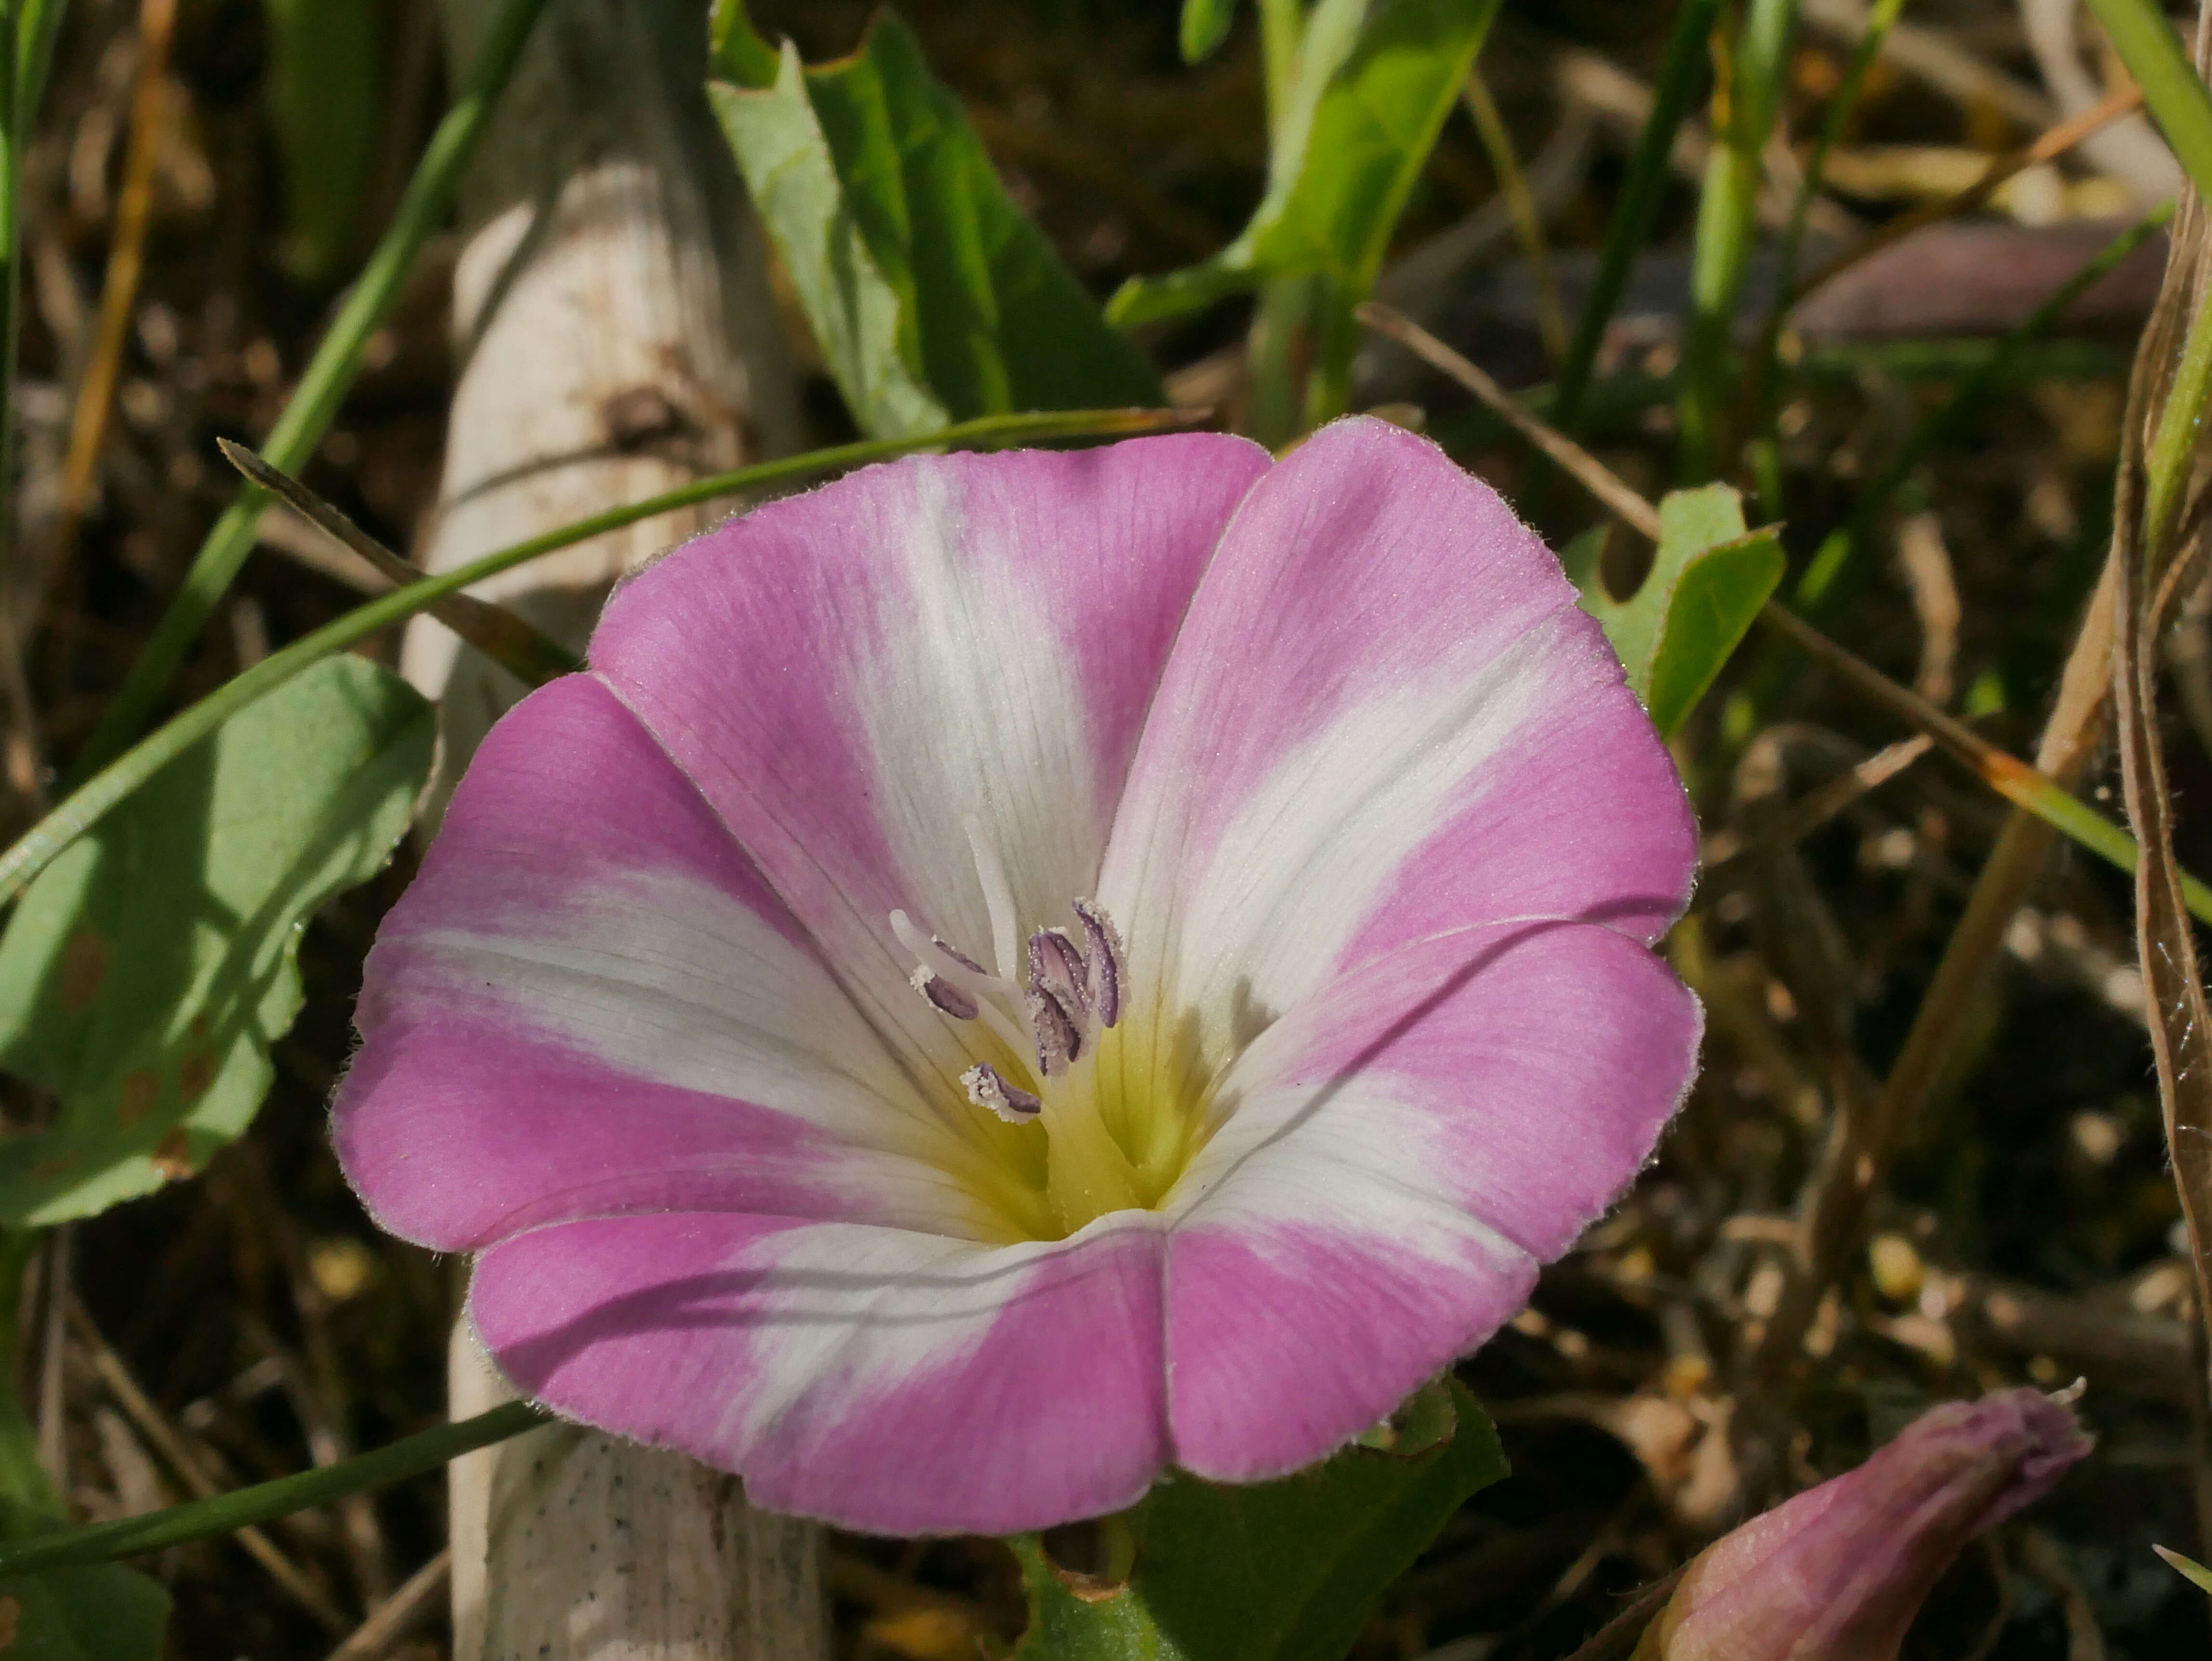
[998, 898]
[1058, 1039]
[985, 1088]
[946, 995]
[959, 972]
[1056, 964]
[948, 965]
[958, 955]
[1106, 965]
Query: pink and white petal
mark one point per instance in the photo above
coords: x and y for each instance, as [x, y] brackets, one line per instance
[881, 1380]
[1385, 717]
[850, 674]
[1390, 1164]
[587, 1002]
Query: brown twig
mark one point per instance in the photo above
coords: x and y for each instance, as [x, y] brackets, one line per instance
[170, 1442]
[2054, 142]
[500, 634]
[390, 1620]
[1817, 806]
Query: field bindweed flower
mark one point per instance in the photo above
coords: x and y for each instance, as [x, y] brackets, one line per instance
[1839, 1572]
[1010, 971]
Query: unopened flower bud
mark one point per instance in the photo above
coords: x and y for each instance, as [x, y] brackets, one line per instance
[1839, 1572]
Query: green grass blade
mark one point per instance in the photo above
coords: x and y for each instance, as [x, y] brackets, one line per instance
[328, 376]
[1680, 76]
[2175, 96]
[97, 796]
[1727, 221]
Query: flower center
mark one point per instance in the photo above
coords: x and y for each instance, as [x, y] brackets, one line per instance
[1054, 1008]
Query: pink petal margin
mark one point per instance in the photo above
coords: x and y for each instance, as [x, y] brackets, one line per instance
[1399, 1157]
[895, 1383]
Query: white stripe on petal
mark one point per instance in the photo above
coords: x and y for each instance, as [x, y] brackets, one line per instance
[674, 982]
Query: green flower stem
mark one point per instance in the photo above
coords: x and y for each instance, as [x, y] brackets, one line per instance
[103, 1542]
[86, 806]
[323, 385]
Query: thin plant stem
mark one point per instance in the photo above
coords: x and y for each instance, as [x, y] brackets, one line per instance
[1641, 194]
[507, 637]
[1527, 223]
[99, 795]
[1837, 571]
[2048, 146]
[1765, 368]
[1750, 99]
[323, 386]
[226, 1513]
[153, 1426]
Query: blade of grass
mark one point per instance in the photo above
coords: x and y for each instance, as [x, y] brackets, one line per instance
[1728, 212]
[1527, 223]
[1837, 572]
[91, 800]
[323, 385]
[2179, 102]
[524, 652]
[1640, 193]
[225, 1513]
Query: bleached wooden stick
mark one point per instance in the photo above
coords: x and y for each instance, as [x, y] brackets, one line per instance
[610, 302]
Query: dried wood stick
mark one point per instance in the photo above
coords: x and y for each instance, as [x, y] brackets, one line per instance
[619, 339]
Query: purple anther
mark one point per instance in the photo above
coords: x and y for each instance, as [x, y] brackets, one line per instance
[1105, 968]
[1056, 964]
[987, 1088]
[1059, 1041]
[946, 995]
[958, 956]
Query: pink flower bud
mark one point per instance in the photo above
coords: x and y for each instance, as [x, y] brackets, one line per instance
[1838, 1574]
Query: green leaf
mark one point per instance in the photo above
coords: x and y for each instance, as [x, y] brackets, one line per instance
[931, 295]
[1283, 1571]
[325, 65]
[149, 969]
[102, 1612]
[2187, 1567]
[1708, 581]
[1205, 27]
[1371, 92]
